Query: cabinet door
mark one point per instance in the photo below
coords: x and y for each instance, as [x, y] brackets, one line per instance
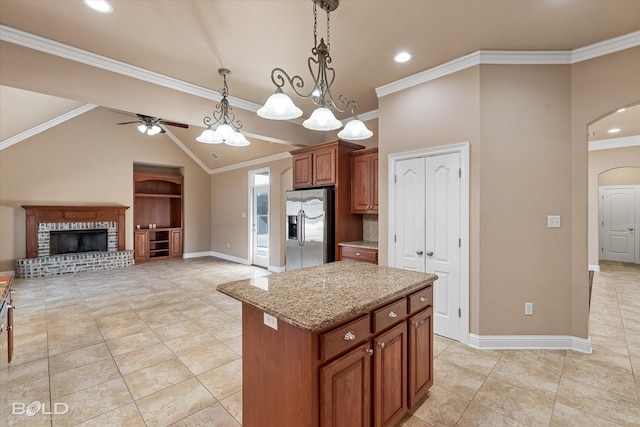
[302, 170]
[175, 243]
[374, 182]
[324, 166]
[141, 246]
[345, 390]
[420, 355]
[360, 183]
[390, 376]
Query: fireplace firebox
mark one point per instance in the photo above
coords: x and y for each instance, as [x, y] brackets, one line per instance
[78, 241]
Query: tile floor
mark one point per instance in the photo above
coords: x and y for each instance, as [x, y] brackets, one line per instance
[156, 345]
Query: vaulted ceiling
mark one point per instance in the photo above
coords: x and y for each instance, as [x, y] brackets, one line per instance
[160, 57]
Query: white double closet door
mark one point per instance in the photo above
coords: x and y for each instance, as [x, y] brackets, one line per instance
[427, 230]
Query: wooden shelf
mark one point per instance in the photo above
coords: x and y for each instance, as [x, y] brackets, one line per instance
[157, 200]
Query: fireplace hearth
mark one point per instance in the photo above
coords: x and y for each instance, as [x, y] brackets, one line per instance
[73, 239]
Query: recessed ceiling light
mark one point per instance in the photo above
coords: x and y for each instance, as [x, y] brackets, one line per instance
[102, 6]
[402, 57]
[614, 130]
[621, 110]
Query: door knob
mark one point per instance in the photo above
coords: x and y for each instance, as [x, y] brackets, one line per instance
[631, 229]
[419, 252]
[430, 253]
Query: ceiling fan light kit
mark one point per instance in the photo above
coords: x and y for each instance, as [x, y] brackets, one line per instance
[228, 130]
[280, 107]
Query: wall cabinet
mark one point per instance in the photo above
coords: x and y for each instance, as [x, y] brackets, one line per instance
[158, 212]
[364, 181]
[329, 164]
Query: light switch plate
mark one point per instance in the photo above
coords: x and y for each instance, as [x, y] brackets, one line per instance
[553, 221]
[528, 309]
[271, 321]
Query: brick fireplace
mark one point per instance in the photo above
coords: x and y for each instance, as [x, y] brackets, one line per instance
[41, 221]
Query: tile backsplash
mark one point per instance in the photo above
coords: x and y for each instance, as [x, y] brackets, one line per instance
[370, 228]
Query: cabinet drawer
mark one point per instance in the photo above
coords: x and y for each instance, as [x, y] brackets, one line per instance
[389, 314]
[421, 299]
[370, 255]
[343, 338]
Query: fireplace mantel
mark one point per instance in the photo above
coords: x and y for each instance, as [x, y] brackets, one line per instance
[39, 214]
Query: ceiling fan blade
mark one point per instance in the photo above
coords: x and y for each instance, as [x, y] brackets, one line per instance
[180, 125]
[128, 123]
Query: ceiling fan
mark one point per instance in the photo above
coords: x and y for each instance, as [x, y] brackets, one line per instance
[149, 125]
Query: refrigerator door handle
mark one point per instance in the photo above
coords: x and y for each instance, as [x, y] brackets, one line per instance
[300, 229]
[303, 225]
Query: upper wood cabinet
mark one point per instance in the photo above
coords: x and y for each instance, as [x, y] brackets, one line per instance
[329, 164]
[321, 165]
[364, 181]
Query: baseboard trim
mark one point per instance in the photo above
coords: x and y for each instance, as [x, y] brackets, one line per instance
[230, 258]
[8, 273]
[197, 254]
[594, 267]
[530, 342]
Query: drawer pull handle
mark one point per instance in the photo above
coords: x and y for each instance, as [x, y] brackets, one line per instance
[349, 336]
[357, 253]
[423, 299]
[417, 324]
[381, 344]
[393, 314]
[369, 352]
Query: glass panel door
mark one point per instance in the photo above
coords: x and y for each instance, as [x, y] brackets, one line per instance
[260, 226]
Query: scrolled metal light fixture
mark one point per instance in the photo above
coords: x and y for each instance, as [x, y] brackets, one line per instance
[228, 130]
[280, 107]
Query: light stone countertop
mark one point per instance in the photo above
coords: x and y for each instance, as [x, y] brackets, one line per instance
[362, 244]
[317, 297]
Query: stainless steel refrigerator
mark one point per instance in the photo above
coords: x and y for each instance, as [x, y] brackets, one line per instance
[310, 228]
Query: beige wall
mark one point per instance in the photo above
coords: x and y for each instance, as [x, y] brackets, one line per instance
[230, 199]
[89, 160]
[598, 87]
[608, 167]
[441, 112]
[526, 126]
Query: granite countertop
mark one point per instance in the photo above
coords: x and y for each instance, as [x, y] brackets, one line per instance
[316, 297]
[362, 244]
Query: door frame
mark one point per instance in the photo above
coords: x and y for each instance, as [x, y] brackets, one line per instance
[463, 150]
[251, 206]
[636, 225]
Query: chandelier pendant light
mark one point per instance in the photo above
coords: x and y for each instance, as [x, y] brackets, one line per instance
[280, 107]
[228, 130]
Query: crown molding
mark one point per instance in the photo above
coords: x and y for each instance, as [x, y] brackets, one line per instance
[622, 142]
[254, 162]
[184, 148]
[498, 57]
[46, 125]
[606, 47]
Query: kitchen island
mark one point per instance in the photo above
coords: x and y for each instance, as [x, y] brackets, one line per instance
[339, 344]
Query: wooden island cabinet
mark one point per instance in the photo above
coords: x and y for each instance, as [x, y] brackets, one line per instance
[355, 351]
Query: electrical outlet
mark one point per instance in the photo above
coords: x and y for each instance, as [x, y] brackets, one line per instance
[271, 321]
[553, 221]
[528, 309]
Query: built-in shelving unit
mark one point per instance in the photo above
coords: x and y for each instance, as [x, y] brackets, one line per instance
[157, 212]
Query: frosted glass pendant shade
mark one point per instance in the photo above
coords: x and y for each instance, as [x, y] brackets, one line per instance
[209, 136]
[142, 128]
[322, 119]
[237, 140]
[355, 130]
[279, 107]
[225, 131]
